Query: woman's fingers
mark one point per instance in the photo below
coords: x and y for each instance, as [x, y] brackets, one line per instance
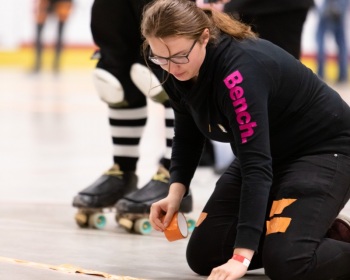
[156, 217]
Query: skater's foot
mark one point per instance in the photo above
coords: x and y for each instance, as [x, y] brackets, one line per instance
[340, 229]
[141, 200]
[107, 189]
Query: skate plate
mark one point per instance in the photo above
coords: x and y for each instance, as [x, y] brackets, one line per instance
[139, 223]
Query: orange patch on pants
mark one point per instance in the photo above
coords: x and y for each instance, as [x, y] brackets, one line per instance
[279, 205]
[279, 224]
[201, 218]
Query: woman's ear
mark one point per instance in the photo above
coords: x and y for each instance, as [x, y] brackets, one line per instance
[205, 36]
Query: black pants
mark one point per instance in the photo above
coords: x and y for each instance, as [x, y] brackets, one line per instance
[283, 29]
[115, 27]
[319, 187]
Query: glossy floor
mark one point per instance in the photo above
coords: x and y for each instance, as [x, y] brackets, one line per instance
[55, 141]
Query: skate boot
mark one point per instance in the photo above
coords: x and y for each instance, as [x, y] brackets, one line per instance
[340, 229]
[133, 210]
[102, 195]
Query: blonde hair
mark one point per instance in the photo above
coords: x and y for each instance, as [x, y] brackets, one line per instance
[165, 18]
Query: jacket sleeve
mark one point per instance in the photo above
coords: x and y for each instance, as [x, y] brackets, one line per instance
[187, 146]
[245, 103]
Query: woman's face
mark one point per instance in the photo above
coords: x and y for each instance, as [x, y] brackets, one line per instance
[174, 47]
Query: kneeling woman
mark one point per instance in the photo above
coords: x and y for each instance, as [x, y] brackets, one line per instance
[290, 132]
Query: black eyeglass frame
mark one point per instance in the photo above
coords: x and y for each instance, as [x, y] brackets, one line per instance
[170, 58]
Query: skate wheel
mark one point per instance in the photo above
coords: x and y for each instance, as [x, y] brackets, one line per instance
[82, 219]
[126, 223]
[143, 226]
[97, 220]
[191, 224]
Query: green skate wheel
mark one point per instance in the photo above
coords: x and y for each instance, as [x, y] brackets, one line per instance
[82, 219]
[191, 224]
[97, 220]
[143, 226]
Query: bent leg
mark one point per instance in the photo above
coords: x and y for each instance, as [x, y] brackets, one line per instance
[211, 243]
[318, 188]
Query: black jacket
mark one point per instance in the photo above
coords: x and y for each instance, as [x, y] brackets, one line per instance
[268, 105]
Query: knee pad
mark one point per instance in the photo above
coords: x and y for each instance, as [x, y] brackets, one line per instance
[147, 83]
[108, 88]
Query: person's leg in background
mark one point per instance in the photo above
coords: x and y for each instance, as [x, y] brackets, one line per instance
[127, 119]
[127, 108]
[62, 10]
[157, 188]
[41, 12]
[342, 53]
[340, 38]
[332, 21]
[127, 105]
[320, 39]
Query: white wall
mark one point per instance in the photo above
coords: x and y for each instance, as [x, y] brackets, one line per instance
[17, 26]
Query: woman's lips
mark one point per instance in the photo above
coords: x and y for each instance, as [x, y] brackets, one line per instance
[179, 74]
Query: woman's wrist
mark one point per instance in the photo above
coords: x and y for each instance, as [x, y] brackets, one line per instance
[177, 190]
[243, 260]
[243, 253]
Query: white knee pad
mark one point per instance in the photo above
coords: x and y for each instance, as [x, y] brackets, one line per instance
[108, 87]
[147, 83]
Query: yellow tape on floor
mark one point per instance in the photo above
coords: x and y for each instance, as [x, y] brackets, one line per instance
[68, 269]
[71, 58]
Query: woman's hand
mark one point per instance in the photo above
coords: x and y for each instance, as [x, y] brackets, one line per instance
[233, 269]
[163, 210]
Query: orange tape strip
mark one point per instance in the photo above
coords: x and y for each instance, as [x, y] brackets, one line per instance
[279, 205]
[201, 218]
[177, 228]
[277, 224]
[68, 269]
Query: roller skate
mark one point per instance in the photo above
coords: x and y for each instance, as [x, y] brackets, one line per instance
[100, 197]
[133, 210]
[340, 229]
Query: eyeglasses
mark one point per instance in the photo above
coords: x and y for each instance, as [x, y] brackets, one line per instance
[177, 59]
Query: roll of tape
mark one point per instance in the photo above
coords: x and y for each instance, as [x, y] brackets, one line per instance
[177, 228]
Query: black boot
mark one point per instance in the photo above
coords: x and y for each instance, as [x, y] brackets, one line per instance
[107, 190]
[140, 201]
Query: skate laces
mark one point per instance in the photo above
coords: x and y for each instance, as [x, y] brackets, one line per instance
[162, 175]
[115, 171]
